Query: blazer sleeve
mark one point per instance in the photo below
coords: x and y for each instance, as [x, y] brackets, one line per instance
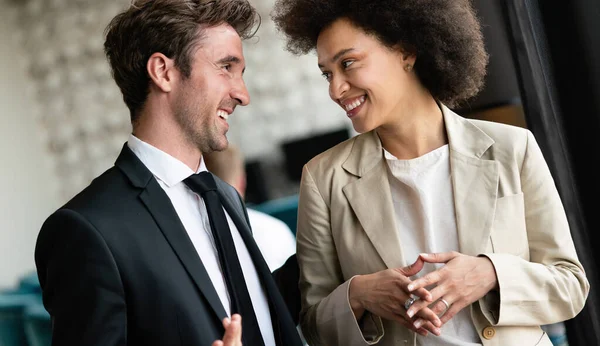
[552, 286]
[80, 282]
[326, 317]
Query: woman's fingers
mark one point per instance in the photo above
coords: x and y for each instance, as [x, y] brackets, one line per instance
[427, 280]
[412, 269]
[408, 324]
[436, 294]
[427, 325]
[426, 314]
[423, 294]
[451, 312]
[441, 257]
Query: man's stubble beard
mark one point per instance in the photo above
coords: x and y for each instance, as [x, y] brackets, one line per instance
[196, 125]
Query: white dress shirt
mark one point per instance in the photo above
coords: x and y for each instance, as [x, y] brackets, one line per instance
[424, 205]
[190, 207]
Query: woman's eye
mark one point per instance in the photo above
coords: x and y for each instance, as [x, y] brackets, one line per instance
[347, 63]
[326, 75]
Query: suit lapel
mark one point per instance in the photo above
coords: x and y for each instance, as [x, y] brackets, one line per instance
[474, 182]
[371, 199]
[161, 209]
[232, 204]
[165, 216]
[283, 325]
[234, 212]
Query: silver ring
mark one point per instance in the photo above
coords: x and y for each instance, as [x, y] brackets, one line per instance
[445, 303]
[409, 302]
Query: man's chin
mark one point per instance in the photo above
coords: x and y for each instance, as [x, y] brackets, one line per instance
[221, 145]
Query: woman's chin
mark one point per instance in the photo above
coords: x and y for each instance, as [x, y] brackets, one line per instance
[361, 126]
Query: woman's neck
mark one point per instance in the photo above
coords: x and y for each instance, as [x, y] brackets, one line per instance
[418, 131]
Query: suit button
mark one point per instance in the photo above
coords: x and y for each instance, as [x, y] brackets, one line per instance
[488, 333]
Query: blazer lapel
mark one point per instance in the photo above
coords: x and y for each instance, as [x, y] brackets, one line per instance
[474, 181]
[475, 185]
[371, 199]
[163, 212]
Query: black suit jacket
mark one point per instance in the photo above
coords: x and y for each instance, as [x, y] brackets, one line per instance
[117, 267]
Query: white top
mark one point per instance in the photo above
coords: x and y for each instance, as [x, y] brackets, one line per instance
[424, 205]
[273, 237]
[190, 207]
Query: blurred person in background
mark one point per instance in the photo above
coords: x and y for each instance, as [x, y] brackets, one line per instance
[156, 250]
[471, 204]
[274, 238]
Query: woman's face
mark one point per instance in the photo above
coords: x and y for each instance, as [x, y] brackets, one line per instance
[367, 79]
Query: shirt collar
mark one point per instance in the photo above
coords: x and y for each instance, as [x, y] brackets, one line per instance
[163, 166]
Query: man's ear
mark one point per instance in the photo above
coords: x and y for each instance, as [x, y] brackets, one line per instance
[162, 71]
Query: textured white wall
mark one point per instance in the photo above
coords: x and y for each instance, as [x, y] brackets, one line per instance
[290, 98]
[85, 122]
[27, 185]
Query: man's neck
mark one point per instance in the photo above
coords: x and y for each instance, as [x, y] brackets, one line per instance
[166, 136]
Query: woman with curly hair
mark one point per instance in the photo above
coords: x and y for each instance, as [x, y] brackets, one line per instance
[471, 204]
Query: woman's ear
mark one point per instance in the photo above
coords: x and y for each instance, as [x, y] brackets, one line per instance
[408, 56]
[162, 71]
[408, 61]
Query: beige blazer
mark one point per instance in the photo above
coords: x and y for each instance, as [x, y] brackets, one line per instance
[507, 208]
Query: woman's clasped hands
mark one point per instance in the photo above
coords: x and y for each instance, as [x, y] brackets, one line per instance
[392, 295]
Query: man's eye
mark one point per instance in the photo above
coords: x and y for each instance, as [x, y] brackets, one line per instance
[326, 75]
[227, 67]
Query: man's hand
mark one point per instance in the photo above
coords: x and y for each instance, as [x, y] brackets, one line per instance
[384, 294]
[462, 281]
[233, 332]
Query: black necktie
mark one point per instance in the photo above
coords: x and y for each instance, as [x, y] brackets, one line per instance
[204, 185]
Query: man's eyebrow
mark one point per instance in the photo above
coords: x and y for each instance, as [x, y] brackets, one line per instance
[229, 59]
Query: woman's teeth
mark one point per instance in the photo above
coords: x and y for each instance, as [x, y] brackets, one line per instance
[355, 104]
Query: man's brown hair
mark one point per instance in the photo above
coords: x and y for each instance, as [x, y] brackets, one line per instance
[171, 27]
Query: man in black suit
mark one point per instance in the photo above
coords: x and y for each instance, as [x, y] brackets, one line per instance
[157, 251]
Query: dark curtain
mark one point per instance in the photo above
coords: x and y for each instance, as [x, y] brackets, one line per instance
[556, 49]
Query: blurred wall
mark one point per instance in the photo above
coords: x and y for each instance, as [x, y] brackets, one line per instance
[27, 185]
[81, 108]
[64, 121]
